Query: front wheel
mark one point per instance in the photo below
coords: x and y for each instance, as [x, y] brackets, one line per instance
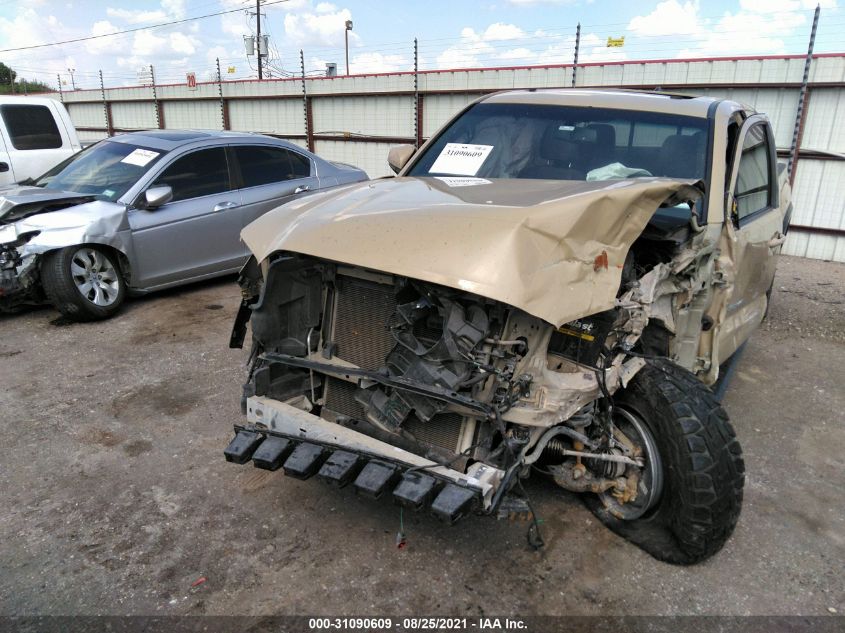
[84, 283]
[694, 467]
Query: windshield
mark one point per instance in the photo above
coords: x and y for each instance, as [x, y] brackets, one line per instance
[106, 170]
[507, 140]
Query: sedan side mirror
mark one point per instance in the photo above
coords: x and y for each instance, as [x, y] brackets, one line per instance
[155, 197]
[399, 156]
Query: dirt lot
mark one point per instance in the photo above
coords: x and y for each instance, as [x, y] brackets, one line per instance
[115, 496]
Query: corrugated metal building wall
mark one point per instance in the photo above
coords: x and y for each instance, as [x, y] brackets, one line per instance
[357, 119]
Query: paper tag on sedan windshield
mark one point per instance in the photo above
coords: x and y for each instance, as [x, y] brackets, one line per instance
[462, 181]
[140, 157]
[461, 160]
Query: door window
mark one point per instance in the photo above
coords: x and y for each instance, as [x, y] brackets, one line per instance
[31, 126]
[262, 165]
[754, 177]
[198, 174]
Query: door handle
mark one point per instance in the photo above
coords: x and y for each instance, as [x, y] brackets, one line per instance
[778, 239]
[302, 189]
[222, 206]
[4, 167]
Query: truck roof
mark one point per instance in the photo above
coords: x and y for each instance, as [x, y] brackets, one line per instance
[618, 99]
[24, 100]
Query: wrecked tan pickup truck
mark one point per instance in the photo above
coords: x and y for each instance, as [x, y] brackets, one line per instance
[548, 286]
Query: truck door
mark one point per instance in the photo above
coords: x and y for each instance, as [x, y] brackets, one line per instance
[753, 232]
[7, 172]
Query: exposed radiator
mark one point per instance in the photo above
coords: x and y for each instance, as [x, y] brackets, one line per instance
[340, 398]
[443, 430]
[361, 312]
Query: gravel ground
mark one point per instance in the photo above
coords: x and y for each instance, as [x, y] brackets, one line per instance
[115, 496]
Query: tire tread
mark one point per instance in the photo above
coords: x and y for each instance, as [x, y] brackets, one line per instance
[704, 468]
[62, 293]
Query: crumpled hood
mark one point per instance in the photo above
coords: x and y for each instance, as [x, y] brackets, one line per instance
[554, 249]
[19, 201]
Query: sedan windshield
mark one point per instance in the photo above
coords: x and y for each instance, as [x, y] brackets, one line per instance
[106, 170]
[507, 140]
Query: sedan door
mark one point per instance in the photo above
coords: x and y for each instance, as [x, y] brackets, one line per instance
[754, 231]
[270, 175]
[197, 233]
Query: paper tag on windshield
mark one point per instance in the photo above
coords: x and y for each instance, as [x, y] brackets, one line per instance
[461, 160]
[140, 157]
[462, 182]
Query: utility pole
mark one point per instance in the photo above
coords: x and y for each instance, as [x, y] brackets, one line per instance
[72, 80]
[346, 40]
[258, 38]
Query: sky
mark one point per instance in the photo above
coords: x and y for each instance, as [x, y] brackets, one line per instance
[451, 34]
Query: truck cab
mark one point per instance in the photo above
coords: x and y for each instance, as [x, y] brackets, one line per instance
[36, 134]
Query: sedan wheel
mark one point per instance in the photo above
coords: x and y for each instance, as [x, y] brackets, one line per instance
[95, 277]
[83, 282]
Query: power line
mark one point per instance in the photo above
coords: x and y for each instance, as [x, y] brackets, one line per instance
[140, 28]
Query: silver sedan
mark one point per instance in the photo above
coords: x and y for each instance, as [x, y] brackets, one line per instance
[145, 211]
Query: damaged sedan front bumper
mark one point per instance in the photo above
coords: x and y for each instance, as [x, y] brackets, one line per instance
[18, 278]
[280, 435]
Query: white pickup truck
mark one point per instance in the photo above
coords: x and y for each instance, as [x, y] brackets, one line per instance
[36, 134]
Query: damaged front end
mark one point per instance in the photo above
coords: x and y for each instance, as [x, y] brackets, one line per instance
[446, 398]
[35, 221]
[19, 275]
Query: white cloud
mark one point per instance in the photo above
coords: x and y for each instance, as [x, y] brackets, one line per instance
[235, 25]
[499, 31]
[318, 28]
[518, 54]
[170, 10]
[475, 47]
[175, 8]
[669, 18]
[104, 44]
[379, 63]
[145, 43]
[29, 27]
[525, 3]
[757, 27]
[136, 17]
[181, 43]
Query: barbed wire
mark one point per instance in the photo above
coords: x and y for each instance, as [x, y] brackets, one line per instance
[532, 46]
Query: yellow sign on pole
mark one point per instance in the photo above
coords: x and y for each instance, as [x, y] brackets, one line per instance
[615, 42]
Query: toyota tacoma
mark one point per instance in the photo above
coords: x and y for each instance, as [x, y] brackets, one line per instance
[549, 286]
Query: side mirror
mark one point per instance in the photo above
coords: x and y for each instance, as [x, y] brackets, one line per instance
[155, 197]
[399, 156]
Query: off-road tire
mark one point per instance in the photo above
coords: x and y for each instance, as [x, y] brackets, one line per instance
[703, 470]
[62, 293]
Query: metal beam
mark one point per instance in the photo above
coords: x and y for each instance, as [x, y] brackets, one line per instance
[818, 230]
